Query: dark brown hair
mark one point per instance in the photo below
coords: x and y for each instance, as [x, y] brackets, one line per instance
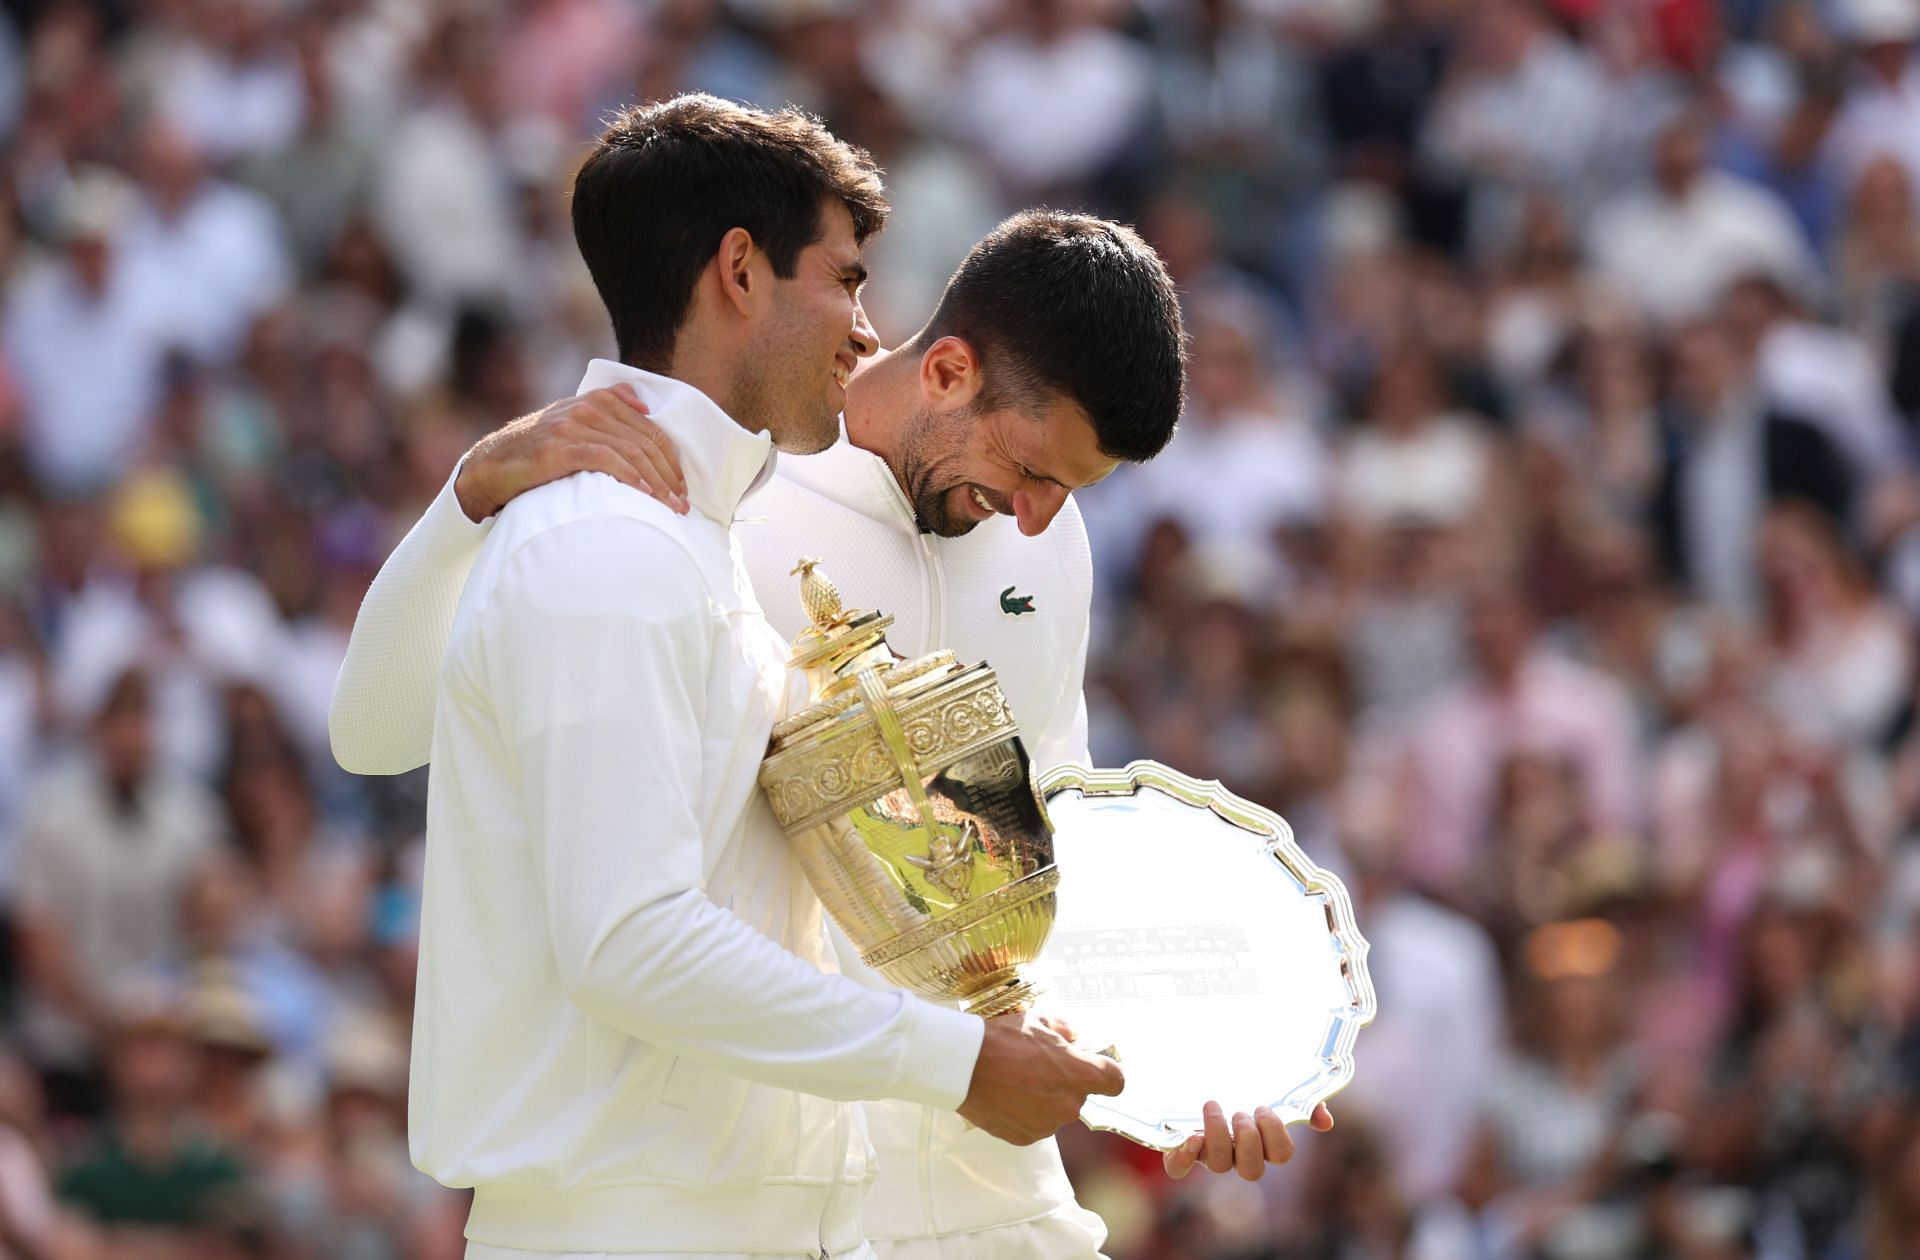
[667, 180]
[1082, 307]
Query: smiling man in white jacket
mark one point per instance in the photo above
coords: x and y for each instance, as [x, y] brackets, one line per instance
[628, 1035]
[1056, 352]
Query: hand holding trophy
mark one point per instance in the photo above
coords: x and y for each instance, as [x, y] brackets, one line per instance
[1191, 933]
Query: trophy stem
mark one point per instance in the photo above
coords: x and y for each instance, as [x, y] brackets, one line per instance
[1015, 995]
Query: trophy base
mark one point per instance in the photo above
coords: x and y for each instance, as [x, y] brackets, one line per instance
[974, 953]
[1015, 995]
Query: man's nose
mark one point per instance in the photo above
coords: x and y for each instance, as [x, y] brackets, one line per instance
[1035, 507]
[865, 340]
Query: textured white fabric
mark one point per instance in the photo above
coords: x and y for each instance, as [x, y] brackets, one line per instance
[381, 718]
[626, 1034]
[842, 506]
[1068, 1231]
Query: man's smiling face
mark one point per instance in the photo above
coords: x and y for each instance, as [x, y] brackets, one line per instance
[1056, 351]
[1021, 459]
[812, 338]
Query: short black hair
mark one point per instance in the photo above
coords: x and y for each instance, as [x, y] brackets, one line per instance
[1079, 306]
[667, 180]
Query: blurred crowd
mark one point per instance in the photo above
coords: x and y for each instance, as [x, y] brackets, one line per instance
[1543, 540]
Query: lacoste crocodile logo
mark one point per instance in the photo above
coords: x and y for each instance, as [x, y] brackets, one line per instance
[1013, 605]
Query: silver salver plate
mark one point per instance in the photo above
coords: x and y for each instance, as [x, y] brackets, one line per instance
[1195, 938]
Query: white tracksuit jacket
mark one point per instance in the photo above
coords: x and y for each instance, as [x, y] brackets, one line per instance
[1021, 604]
[628, 1033]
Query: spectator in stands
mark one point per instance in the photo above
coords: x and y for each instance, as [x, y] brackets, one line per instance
[1521, 698]
[1825, 375]
[1546, 545]
[1729, 456]
[107, 847]
[81, 343]
[150, 1173]
[1673, 246]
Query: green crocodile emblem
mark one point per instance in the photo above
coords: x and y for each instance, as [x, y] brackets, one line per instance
[1013, 605]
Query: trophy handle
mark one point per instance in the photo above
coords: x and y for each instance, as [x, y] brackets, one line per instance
[948, 862]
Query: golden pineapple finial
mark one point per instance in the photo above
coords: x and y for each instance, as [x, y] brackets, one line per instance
[818, 595]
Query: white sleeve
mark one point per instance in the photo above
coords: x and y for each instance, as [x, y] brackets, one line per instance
[598, 647]
[381, 717]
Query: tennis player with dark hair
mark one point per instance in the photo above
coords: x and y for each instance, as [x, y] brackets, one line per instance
[629, 1037]
[1055, 354]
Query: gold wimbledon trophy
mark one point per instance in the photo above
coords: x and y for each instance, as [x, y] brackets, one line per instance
[1195, 932]
[906, 792]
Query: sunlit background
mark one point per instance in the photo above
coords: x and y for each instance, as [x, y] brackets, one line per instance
[1543, 540]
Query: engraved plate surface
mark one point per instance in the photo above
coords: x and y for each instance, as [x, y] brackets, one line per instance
[1193, 935]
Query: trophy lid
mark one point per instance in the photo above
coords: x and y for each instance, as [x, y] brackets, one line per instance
[836, 646]
[837, 634]
[836, 652]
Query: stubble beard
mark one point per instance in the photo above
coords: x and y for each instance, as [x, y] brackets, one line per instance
[928, 476]
[769, 401]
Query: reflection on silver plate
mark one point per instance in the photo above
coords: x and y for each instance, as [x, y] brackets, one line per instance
[1195, 937]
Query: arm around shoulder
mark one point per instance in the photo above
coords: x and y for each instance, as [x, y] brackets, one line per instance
[380, 720]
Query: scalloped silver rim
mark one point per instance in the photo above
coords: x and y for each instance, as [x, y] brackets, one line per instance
[1284, 849]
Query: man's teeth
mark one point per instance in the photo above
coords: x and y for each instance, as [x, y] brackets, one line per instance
[841, 374]
[981, 499]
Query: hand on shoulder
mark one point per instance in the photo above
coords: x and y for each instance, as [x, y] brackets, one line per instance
[603, 430]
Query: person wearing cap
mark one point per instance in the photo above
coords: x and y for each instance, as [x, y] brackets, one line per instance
[149, 1168]
[228, 1025]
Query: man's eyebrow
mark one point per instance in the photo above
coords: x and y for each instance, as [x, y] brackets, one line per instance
[855, 271]
[1037, 475]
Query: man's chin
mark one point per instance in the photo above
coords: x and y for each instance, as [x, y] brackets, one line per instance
[809, 436]
[939, 522]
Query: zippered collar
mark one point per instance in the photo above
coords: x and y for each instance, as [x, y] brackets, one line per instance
[724, 463]
[854, 478]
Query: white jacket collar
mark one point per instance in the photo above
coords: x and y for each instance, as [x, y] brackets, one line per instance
[723, 462]
[854, 478]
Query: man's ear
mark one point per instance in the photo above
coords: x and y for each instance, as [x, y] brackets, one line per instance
[740, 288]
[950, 373]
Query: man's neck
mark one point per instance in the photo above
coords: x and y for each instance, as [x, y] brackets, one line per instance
[717, 376]
[881, 397]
